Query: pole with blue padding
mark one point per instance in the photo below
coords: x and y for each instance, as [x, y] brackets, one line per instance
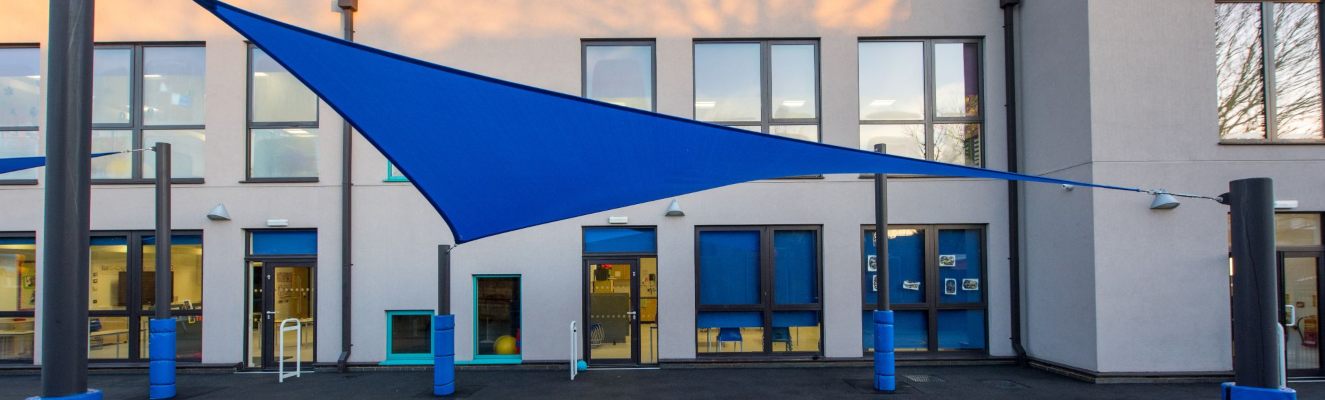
[443, 329]
[161, 342]
[885, 368]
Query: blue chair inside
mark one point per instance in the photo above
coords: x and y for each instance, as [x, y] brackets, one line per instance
[730, 335]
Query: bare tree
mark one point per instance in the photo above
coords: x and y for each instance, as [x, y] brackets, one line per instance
[1241, 79]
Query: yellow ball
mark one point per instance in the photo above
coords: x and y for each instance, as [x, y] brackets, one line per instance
[505, 345]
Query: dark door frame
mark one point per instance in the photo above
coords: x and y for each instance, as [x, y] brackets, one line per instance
[634, 262]
[268, 351]
[1319, 255]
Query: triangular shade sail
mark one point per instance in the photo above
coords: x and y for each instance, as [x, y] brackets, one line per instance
[21, 163]
[494, 156]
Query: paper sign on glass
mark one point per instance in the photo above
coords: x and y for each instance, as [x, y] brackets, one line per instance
[950, 286]
[970, 284]
[910, 285]
[872, 263]
[947, 260]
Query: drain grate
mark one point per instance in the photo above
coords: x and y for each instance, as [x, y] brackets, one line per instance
[1004, 384]
[924, 378]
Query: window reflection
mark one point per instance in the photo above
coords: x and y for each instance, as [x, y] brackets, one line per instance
[173, 90]
[20, 86]
[289, 152]
[277, 95]
[1297, 72]
[619, 74]
[901, 140]
[957, 144]
[1297, 229]
[1238, 67]
[185, 269]
[793, 76]
[111, 82]
[956, 79]
[892, 81]
[19, 144]
[497, 316]
[115, 166]
[727, 82]
[186, 152]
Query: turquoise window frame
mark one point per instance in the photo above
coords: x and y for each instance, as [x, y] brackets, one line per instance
[392, 176]
[408, 358]
[492, 359]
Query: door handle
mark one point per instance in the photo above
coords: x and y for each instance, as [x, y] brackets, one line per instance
[270, 313]
[631, 314]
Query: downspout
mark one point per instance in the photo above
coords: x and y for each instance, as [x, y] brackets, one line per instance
[1014, 196]
[347, 9]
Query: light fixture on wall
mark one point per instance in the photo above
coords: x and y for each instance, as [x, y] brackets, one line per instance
[1164, 201]
[219, 213]
[674, 209]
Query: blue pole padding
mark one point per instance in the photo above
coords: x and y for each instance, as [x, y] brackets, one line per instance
[92, 394]
[161, 353]
[1235, 392]
[443, 355]
[885, 359]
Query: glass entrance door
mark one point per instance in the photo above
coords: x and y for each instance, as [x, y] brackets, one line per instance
[280, 291]
[612, 328]
[1300, 286]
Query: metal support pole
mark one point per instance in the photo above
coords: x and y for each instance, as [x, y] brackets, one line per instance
[161, 329]
[64, 323]
[347, 9]
[883, 303]
[164, 277]
[885, 359]
[443, 279]
[1255, 284]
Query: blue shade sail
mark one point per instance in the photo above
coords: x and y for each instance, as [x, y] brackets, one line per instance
[283, 242]
[795, 262]
[488, 171]
[21, 163]
[728, 267]
[906, 267]
[620, 240]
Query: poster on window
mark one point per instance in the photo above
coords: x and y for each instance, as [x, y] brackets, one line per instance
[947, 260]
[970, 284]
[950, 286]
[875, 282]
[911, 285]
[872, 263]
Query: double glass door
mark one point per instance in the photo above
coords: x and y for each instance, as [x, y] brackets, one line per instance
[621, 314]
[1300, 288]
[279, 291]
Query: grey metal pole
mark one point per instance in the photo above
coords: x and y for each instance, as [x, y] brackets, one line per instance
[1255, 284]
[881, 235]
[64, 323]
[443, 279]
[164, 277]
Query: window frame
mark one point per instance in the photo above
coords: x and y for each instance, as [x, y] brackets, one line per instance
[393, 358]
[653, 65]
[932, 306]
[250, 125]
[33, 128]
[134, 312]
[392, 176]
[930, 118]
[22, 314]
[495, 358]
[136, 125]
[768, 291]
[1267, 72]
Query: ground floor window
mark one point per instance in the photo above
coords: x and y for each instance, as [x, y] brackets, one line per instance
[758, 290]
[408, 337]
[122, 294]
[18, 296]
[936, 287]
[497, 317]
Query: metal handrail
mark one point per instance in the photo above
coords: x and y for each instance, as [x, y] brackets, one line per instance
[298, 349]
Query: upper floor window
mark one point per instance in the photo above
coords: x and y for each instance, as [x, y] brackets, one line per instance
[20, 100]
[769, 86]
[144, 94]
[1268, 68]
[282, 123]
[620, 73]
[922, 99]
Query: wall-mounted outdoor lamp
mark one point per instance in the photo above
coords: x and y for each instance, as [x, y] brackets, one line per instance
[1164, 201]
[674, 209]
[219, 213]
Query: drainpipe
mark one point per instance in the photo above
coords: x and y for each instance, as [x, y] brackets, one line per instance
[1014, 196]
[347, 9]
